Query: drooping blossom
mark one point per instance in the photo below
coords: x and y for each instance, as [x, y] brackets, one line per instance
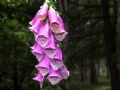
[62, 33]
[43, 66]
[43, 12]
[33, 21]
[64, 72]
[39, 78]
[54, 23]
[50, 49]
[43, 37]
[54, 77]
[36, 27]
[56, 61]
[48, 32]
[37, 51]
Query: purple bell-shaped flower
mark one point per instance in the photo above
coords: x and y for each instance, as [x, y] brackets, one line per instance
[32, 22]
[50, 49]
[64, 72]
[62, 33]
[43, 12]
[43, 37]
[37, 51]
[36, 27]
[55, 25]
[54, 77]
[39, 78]
[43, 66]
[56, 62]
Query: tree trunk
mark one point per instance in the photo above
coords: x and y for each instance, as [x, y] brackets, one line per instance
[110, 44]
[107, 72]
[15, 79]
[82, 70]
[93, 73]
[98, 66]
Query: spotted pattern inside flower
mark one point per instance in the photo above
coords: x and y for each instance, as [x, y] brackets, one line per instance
[43, 71]
[42, 41]
[56, 64]
[39, 56]
[64, 72]
[55, 27]
[54, 80]
[50, 52]
[60, 36]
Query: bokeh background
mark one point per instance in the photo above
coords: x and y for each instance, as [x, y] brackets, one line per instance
[91, 49]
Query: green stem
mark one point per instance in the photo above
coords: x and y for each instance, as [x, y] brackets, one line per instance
[47, 1]
[51, 3]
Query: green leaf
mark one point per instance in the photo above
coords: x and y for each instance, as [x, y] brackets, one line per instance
[47, 1]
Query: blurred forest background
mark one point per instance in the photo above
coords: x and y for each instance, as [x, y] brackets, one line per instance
[91, 50]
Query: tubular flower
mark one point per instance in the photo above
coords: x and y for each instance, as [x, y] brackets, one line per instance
[37, 51]
[50, 49]
[32, 22]
[43, 12]
[54, 77]
[43, 66]
[56, 62]
[36, 27]
[43, 37]
[48, 33]
[54, 23]
[39, 78]
[64, 72]
[62, 33]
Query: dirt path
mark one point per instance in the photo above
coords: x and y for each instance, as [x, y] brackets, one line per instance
[103, 88]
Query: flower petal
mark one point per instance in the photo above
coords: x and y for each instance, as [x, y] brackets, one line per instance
[43, 37]
[43, 12]
[43, 66]
[50, 49]
[64, 72]
[56, 61]
[54, 77]
[55, 25]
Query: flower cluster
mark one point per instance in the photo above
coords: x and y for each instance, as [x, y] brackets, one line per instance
[48, 29]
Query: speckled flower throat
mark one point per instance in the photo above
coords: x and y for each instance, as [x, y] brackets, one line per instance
[48, 29]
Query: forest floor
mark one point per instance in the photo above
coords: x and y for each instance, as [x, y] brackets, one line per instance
[103, 84]
[103, 88]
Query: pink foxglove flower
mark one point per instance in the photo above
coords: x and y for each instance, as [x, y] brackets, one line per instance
[37, 51]
[45, 48]
[50, 49]
[54, 77]
[43, 66]
[54, 23]
[39, 78]
[61, 35]
[43, 37]
[56, 62]
[36, 27]
[32, 22]
[43, 12]
[64, 72]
